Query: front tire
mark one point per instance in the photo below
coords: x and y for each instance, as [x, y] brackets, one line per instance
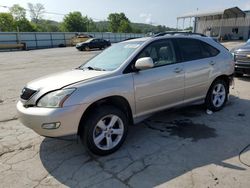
[217, 95]
[105, 130]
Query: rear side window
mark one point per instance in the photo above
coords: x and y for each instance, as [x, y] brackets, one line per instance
[208, 50]
[192, 49]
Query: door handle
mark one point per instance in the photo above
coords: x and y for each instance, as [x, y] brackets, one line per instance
[212, 63]
[178, 70]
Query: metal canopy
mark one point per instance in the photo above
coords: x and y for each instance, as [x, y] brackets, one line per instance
[233, 12]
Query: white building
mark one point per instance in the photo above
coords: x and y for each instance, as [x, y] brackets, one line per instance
[229, 24]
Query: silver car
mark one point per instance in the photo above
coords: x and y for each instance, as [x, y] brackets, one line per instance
[124, 84]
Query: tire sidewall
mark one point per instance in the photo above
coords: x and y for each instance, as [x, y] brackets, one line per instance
[209, 97]
[89, 126]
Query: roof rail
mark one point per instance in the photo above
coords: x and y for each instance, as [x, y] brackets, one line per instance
[178, 33]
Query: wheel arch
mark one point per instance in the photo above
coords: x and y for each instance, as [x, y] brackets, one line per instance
[117, 101]
[223, 77]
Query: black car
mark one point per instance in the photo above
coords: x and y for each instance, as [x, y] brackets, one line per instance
[242, 60]
[93, 44]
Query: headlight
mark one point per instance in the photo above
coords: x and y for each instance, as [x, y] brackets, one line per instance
[234, 56]
[55, 99]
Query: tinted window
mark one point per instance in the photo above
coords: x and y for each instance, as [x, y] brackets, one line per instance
[161, 52]
[208, 50]
[190, 49]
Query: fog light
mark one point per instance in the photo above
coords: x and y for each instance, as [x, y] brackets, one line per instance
[51, 125]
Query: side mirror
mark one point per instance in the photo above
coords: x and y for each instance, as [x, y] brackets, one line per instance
[144, 63]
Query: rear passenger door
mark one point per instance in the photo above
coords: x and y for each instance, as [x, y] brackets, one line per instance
[199, 61]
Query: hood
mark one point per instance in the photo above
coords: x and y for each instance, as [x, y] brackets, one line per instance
[245, 48]
[60, 80]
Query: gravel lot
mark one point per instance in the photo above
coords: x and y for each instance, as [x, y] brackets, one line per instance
[175, 148]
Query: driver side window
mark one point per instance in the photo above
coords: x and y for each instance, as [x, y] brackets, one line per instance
[162, 53]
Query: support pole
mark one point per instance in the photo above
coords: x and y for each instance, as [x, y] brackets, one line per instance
[222, 19]
[183, 24]
[177, 24]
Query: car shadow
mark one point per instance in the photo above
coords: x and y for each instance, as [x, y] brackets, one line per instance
[163, 147]
[244, 78]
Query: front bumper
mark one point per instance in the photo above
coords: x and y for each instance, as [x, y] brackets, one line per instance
[243, 68]
[78, 47]
[68, 117]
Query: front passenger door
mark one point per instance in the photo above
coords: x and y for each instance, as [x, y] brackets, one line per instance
[161, 86]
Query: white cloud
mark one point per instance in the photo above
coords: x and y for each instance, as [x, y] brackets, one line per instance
[147, 18]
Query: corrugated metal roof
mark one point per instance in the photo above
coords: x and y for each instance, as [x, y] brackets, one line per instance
[228, 13]
[202, 14]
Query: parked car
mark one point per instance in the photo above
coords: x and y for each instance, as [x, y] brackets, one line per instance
[125, 84]
[242, 59]
[78, 38]
[93, 44]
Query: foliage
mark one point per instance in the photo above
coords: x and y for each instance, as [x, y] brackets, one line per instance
[189, 28]
[18, 12]
[47, 26]
[16, 20]
[6, 22]
[23, 25]
[36, 11]
[75, 22]
[118, 22]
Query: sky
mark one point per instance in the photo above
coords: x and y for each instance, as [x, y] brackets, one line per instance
[156, 12]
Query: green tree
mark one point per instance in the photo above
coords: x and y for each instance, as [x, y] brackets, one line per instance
[18, 12]
[75, 22]
[36, 11]
[21, 23]
[47, 26]
[91, 26]
[7, 22]
[125, 27]
[118, 22]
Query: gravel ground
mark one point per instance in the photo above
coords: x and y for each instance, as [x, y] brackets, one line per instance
[181, 147]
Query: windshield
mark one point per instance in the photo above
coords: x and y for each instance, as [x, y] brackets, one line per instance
[112, 58]
[248, 42]
[88, 40]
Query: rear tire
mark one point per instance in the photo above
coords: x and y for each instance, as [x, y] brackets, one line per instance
[104, 130]
[217, 95]
[86, 48]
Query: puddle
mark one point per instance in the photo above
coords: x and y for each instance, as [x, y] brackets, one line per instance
[188, 129]
[1, 101]
[183, 129]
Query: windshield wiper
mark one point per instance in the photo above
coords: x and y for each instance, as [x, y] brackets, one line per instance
[95, 68]
[92, 68]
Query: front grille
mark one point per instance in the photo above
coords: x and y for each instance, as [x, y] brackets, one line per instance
[27, 93]
[242, 57]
